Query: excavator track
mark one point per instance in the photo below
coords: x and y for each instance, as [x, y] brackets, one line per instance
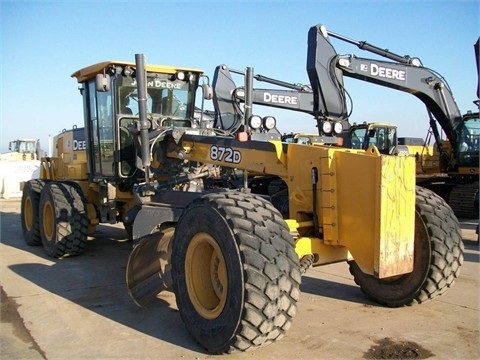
[463, 200]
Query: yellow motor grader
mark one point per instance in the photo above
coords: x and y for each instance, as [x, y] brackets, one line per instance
[187, 187]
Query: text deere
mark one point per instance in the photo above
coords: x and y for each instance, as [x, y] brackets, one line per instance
[280, 99]
[385, 72]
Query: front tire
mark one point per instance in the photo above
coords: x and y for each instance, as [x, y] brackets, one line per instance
[64, 220]
[438, 256]
[235, 272]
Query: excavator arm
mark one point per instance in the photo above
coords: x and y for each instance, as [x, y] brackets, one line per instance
[476, 46]
[418, 81]
[299, 98]
[326, 68]
[227, 97]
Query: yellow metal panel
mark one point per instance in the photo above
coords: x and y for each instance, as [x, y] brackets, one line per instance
[468, 170]
[329, 197]
[267, 159]
[76, 172]
[376, 210]
[301, 160]
[397, 216]
[323, 254]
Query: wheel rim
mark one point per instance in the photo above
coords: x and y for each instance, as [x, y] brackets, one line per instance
[206, 276]
[48, 220]
[28, 213]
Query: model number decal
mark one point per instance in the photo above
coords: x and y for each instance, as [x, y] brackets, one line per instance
[226, 154]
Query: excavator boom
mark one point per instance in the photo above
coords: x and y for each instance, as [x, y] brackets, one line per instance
[404, 74]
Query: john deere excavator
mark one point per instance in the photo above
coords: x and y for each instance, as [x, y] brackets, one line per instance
[458, 169]
[231, 253]
[454, 175]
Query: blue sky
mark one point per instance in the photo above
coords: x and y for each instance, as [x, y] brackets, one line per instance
[44, 42]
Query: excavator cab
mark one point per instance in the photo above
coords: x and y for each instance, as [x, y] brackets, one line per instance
[468, 144]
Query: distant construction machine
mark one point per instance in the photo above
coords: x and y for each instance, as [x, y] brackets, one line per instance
[23, 149]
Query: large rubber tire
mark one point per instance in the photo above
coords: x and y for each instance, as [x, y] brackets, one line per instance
[235, 272]
[463, 199]
[128, 229]
[438, 256]
[64, 220]
[29, 211]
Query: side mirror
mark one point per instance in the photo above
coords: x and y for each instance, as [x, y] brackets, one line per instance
[102, 82]
[207, 91]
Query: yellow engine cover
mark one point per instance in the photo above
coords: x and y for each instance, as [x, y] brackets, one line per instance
[69, 161]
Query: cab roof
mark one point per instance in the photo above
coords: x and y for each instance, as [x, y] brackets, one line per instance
[91, 71]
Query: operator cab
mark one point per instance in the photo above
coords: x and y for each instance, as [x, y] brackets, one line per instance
[23, 146]
[383, 136]
[111, 113]
[468, 143]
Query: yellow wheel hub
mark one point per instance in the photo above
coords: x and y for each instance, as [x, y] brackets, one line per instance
[206, 276]
[28, 213]
[48, 220]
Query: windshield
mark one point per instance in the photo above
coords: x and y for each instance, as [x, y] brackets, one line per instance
[469, 143]
[26, 146]
[167, 97]
[357, 137]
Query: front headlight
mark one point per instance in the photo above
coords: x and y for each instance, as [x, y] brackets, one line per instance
[337, 128]
[327, 127]
[269, 122]
[255, 122]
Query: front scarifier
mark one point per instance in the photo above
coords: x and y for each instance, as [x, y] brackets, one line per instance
[438, 256]
[235, 272]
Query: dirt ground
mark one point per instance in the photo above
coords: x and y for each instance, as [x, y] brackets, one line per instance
[78, 308]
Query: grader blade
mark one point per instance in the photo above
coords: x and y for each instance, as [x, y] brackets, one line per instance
[148, 268]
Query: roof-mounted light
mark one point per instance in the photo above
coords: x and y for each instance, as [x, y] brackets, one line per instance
[180, 75]
[127, 71]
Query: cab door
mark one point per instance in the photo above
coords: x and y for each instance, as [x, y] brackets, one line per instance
[100, 130]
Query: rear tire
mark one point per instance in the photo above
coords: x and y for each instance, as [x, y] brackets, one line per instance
[64, 220]
[235, 272]
[438, 256]
[29, 211]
